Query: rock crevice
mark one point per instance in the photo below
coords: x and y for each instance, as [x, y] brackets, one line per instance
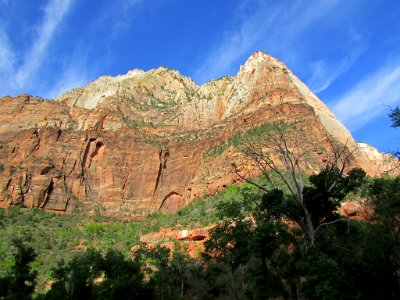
[154, 141]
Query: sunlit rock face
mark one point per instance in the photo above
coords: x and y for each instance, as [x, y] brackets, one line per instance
[144, 141]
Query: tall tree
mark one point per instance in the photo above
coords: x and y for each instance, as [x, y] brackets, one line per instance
[284, 149]
[21, 281]
[280, 227]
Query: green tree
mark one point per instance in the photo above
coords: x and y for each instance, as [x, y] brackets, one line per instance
[261, 234]
[395, 117]
[91, 275]
[357, 260]
[75, 280]
[284, 150]
[272, 231]
[21, 281]
[123, 279]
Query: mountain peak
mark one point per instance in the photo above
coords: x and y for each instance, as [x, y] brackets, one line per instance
[259, 54]
[154, 141]
[134, 73]
[260, 58]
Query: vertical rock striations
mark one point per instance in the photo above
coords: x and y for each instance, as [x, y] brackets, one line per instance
[151, 141]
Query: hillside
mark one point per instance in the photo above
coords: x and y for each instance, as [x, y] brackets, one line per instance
[154, 141]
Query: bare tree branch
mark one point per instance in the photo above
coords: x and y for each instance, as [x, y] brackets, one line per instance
[329, 223]
[248, 180]
[285, 150]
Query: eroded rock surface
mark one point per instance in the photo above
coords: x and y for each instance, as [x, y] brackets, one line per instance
[145, 141]
[191, 241]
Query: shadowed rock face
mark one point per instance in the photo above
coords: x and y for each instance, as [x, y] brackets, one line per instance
[145, 141]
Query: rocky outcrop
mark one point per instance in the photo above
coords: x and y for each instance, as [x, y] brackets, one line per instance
[356, 210]
[165, 234]
[385, 162]
[152, 141]
[190, 241]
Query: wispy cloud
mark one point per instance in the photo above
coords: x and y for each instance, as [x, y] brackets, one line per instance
[7, 57]
[275, 27]
[128, 4]
[123, 16]
[7, 62]
[19, 67]
[370, 97]
[324, 74]
[70, 78]
[54, 13]
[234, 46]
[116, 16]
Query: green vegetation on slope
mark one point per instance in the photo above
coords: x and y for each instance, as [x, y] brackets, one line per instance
[60, 237]
[349, 260]
[55, 237]
[239, 138]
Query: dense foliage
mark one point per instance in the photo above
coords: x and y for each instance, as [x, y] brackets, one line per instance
[349, 259]
[62, 237]
[20, 282]
[255, 252]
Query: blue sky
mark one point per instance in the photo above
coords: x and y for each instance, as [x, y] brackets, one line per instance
[347, 51]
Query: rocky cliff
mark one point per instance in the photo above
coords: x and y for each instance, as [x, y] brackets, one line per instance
[146, 141]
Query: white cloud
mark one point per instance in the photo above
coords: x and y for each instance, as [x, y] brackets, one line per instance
[54, 13]
[7, 62]
[233, 47]
[6, 54]
[116, 16]
[70, 78]
[324, 74]
[122, 15]
[76, 71]
[18, 71]
[370, 97]
[274, 26]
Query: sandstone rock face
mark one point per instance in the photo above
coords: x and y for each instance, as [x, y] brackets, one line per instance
[356, 210]
[146, 141]
[190, 241]
[385, 162]
[164, 234]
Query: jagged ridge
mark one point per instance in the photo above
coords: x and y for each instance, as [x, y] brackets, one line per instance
[142, 141]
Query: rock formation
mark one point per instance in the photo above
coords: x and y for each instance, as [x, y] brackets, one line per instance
[146, 141]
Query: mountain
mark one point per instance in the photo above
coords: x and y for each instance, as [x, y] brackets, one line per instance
[152, 141]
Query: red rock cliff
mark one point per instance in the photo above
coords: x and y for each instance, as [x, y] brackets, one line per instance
[141, 141]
